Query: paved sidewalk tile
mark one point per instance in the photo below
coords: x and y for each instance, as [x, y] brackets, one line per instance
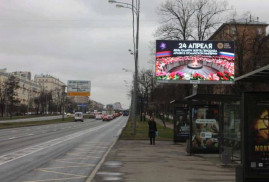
[133, 160]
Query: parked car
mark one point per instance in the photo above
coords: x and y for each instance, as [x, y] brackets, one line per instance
[68, 114]
[79, 116]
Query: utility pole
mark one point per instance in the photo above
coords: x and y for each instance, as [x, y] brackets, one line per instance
[63, 102]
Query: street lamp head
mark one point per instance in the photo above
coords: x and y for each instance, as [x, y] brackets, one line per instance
[112, 1]
[119, 6]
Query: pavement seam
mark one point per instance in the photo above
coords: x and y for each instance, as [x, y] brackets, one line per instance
[67, 167]
[55, 172]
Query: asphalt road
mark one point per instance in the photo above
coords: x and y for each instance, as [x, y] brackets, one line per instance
[56, 152]
[43, 118]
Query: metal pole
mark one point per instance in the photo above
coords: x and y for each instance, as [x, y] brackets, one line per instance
[136, 68]
[6, 100]
[63, 103]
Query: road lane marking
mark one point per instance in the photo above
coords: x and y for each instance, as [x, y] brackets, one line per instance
[93, 173]
[30, 134]
[59, 179]
[91, 176]
[81, 153]
[69, 174]
[35, 148]
[68, 167]
[83, 157]
[12, 138]
[58, 160]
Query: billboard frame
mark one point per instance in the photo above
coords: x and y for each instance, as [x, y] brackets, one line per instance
[206, 78]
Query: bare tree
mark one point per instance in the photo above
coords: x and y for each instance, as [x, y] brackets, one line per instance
[2, 98]
[207, 16]
[176, 20]
[12, 84]
[192, 19]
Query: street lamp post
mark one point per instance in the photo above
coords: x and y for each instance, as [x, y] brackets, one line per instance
[135, 10]
[63, 101]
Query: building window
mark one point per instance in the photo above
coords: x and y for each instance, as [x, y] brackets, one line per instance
[259, 31]
[233, 30]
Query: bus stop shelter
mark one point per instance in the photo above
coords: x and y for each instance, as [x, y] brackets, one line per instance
[254, 129]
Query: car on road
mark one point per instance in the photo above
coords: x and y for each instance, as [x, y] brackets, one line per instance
[107, 117]
[92, 115]
[98, 116]
[79, 116]
[126, 113]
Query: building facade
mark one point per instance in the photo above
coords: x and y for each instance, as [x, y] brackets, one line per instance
[51, 84]
[251, 43]
[28, 88]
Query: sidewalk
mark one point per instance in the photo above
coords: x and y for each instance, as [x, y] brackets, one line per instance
[136, 160]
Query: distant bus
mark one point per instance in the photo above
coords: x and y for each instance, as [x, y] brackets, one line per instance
[126, 113]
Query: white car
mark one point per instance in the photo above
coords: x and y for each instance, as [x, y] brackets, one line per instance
[98, 116]
[79, 116]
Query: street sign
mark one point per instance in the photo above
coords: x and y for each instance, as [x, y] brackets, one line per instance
[78, 88]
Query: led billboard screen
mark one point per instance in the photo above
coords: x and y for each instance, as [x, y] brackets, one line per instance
[199, 62]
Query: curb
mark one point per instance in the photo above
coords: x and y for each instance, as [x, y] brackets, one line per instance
[93, 173]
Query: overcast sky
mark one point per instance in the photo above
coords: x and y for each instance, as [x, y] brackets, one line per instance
[84, 40]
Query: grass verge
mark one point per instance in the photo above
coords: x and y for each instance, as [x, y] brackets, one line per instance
[142, 132]
[34, 123]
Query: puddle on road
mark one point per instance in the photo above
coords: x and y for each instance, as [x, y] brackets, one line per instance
[113, 164]
[112, 178]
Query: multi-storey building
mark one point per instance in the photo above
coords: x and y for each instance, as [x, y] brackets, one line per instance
[50, 83]
[251, 50]
[28, 88]
[251, 43]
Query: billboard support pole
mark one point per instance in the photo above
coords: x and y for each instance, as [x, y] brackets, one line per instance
[194, 88]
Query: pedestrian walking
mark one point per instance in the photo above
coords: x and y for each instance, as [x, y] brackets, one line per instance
[152, 130]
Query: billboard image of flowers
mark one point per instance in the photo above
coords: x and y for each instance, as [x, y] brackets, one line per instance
[189, 61]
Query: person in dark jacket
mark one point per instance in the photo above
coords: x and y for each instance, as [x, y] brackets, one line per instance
[152, 130]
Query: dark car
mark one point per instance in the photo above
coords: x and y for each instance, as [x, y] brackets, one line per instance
[126, 113]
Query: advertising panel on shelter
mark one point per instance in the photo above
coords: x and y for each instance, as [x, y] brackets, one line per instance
[257, 135]
[198, 62]
[79, 88]
[181, 124]
[205, 129]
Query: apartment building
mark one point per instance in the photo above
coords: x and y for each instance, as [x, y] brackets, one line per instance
[50, 83]
[27, 88]
[251, 43]
[251, 50]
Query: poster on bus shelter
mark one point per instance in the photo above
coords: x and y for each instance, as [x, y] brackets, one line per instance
[181, 124]
[257, 135]
[199, 62]
[205, 129]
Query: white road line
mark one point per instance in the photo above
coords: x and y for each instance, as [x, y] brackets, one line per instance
[30, 134]
[35, 148]
[12, 138]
